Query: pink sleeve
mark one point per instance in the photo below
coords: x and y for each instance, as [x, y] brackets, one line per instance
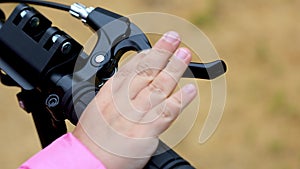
[64, 153]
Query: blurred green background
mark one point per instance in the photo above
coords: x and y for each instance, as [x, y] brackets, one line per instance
[258, 39]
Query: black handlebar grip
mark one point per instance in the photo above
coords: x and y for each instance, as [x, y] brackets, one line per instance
[166, 158]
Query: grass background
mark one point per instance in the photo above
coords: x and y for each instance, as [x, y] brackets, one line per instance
[258, 39]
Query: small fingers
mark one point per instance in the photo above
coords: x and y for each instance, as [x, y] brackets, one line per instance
[167, 79]
[155, 61]
[162, 116]
[165, 82]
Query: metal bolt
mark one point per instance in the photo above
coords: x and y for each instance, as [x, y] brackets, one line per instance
[23, 13]
[66, 48]
[99, 58]
[55, 37]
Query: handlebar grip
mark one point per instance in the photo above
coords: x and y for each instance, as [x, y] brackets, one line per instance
[166, 158]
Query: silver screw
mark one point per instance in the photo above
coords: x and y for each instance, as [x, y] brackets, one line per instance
[99, 58]
[23, 13]
[55, 37]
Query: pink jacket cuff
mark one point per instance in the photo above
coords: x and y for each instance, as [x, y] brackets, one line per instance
[64, 153]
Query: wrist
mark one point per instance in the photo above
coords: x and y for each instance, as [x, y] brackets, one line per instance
[110, 160]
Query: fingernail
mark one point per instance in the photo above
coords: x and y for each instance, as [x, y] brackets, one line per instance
[181, 53]
[171, 37]
[190, 88]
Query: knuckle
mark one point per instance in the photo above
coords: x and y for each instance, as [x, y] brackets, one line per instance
[171, 111]
[143, 69]
[157, 90]
[167, 78]
[160, 52]
[154, 88]
[172, 69]
[160, 110]
[175, 104]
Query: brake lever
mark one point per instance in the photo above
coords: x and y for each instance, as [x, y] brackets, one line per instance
[117, 35]
[207, 71]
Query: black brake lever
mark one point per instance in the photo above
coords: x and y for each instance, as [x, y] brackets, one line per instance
[122, 36]
[206, 71]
